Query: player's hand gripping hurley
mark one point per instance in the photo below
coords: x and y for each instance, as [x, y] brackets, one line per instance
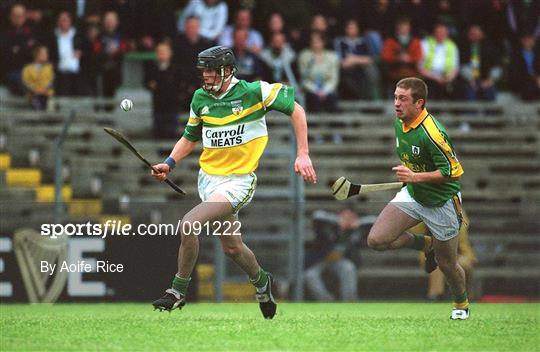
[116, 135]
[343, 188]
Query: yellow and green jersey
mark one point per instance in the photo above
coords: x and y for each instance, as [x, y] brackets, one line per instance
[232, 127]
[425, 146]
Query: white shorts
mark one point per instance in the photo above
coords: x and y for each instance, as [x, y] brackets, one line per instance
[443, 222]
[238, 189]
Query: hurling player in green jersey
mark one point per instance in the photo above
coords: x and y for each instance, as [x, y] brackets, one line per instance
[228, 116]
[431, 171]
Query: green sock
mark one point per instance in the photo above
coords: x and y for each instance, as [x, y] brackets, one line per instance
[418, 243]
[460, 298]
[261, 279]
[180, 284]
[461, 301]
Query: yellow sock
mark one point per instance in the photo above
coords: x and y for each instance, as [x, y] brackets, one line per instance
[462, 305]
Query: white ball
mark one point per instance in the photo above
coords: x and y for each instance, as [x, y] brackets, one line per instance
[126, 104]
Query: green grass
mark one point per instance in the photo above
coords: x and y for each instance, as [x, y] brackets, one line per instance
[297, 327]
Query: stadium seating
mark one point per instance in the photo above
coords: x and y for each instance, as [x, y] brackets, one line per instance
[498, 145]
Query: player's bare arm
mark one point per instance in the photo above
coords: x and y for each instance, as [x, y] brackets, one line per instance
[181, 149]
[404, 174]
[302, 165]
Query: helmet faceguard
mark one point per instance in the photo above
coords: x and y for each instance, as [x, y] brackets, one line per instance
[216, 58]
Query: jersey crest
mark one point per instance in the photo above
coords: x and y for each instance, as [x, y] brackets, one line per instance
[237, 107]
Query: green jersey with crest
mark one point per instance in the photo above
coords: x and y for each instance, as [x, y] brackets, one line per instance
[425, 146]
[232, 126]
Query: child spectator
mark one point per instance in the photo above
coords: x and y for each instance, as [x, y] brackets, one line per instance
[38, 78]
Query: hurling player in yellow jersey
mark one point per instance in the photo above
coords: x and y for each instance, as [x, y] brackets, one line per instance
[228, 116]
[431, 171]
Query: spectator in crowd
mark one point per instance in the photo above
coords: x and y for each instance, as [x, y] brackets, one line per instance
[336, 238]
[275, 25]
[79, 9]
[213, 15]
[114, 48]
[17, 43]
[279, 57]
[417, 11]
[401, 54]
[359, 75]
[66, 54]
[319, 23]
[300, 38]
[249, 65]
[479, 66]
[466, 258]
[440, 63]
[255, 42]
[91, 61]
[524, 72]
[34, 20]
[377, 17]
[319, 72]
[147, 23]
[445, 11]
[489, 14]
[162, 80]
[523, 16]
[186, 46]
[38, 78]
[126, 15]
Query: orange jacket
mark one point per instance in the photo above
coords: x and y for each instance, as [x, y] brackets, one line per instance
[394, 67]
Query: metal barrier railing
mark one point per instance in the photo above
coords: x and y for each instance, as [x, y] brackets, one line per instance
[58, 168]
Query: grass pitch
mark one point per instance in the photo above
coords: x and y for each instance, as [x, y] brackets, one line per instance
[297, 327]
